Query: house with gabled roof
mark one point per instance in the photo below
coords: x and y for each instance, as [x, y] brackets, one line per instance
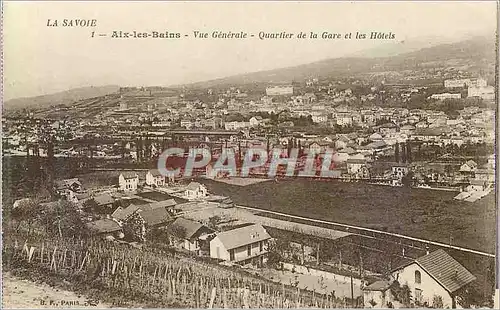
[188, 234]
[195, 190]
[344, 154]
[436, 274]
[468, 167]
[102, 204]
[122, 214]
[105, 228]
[128, 181]
[155, 217]
[242, 245]
[155, 178]
[68, 188]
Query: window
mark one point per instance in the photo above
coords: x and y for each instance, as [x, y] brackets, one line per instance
[249, 249]
[418, 277]
[231, 254]
[261, 246]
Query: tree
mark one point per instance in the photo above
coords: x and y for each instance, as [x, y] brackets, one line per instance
[213, 221]
[403, 156]
[408, 151]
[407, 180]
[278, 251]
[134, 228]
[62, 219]
[401, 293]
[26, 211]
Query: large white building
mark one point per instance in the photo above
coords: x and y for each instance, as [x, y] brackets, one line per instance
[128, 181]
[279, 90]
[446, 96]
[461, 83]
[321, 118]
[486, 92]
[344, 119]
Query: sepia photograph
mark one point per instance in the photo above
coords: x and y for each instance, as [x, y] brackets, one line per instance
[249, 154]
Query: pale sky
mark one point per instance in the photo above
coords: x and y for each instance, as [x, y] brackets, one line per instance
[40, 59]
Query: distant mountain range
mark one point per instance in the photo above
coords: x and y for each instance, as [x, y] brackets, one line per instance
[64, 97]
[402, 57]
[397, 56]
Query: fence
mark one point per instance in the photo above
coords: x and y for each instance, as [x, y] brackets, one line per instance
[162, 279]
[321, 273]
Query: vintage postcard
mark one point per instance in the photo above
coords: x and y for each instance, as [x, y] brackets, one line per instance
[249, 154]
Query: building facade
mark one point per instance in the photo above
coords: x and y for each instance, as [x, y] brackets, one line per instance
[244, 245]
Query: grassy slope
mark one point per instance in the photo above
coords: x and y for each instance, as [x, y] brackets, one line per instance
[420, 213]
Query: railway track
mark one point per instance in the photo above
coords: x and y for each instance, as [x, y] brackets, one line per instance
[369, 232]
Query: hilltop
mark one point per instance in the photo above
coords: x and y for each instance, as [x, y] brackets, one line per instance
[475, 50]
[64, 97]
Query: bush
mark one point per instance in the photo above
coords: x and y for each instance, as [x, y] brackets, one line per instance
[437, 302]
[401, 293]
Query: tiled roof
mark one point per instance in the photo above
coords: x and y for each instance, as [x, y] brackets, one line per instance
[129, 175]
[471, 163]
[445, 270]
[193, 186]
[155, 173]
[123, 214]
[67, 183]
[185, 228]
[103, 226]
[356, 161]
[243, 236]
[156, 216]
[348, 150]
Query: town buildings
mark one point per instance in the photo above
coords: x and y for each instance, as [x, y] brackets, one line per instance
[279, 90]
[445, 96]
[463, 83]
[483, 92]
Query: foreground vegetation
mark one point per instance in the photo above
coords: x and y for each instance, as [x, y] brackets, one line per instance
[123, 275]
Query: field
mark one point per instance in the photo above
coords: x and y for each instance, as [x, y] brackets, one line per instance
[242, 181]
[422, 213]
